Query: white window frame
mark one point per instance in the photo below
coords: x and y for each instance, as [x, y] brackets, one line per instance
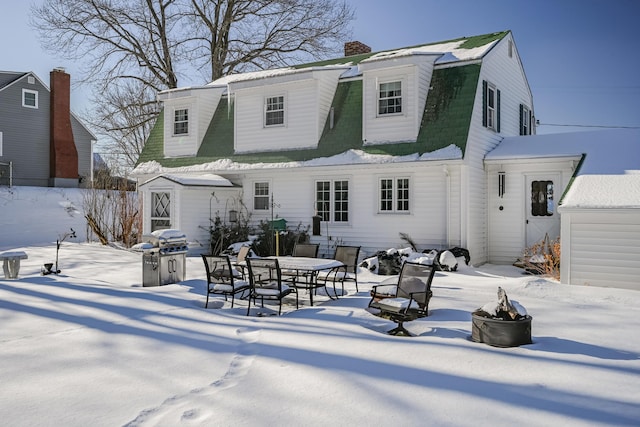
[32, 92]
[394, 199]
[165, 215]
[0, 144]
[334, 191]
[181, 122]
[492, 95]
[261, 196]
[273, 108]
[380, 99]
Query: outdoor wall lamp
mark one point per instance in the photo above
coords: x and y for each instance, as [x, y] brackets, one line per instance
[501, 183]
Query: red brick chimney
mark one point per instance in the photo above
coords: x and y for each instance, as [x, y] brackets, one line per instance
[63, 157]
[355, 48]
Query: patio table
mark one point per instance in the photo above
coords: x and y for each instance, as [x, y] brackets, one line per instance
[307, 267]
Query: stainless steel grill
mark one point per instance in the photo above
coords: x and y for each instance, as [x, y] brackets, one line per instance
[164, 258]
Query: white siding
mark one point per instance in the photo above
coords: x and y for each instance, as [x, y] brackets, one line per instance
[308, 99]
[601, 247]
[294, 196]
[201, 103]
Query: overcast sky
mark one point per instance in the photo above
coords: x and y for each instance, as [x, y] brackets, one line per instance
[580, 56]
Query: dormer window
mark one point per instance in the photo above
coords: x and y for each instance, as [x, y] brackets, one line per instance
[274, 111]
[390, 98]
[29, 98]
[181, 121]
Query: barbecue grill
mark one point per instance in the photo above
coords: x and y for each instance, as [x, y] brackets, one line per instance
[164, 258]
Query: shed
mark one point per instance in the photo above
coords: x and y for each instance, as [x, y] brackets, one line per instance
[182, 201]
[600, 217]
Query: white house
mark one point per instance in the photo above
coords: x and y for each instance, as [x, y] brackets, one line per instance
[376, 144]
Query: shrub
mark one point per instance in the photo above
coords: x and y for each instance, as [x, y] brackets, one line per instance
[543, 258]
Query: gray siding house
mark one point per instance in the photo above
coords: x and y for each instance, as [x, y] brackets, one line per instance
[41, 142]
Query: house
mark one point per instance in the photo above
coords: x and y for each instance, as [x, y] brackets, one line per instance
[375, 144]
[41, 142]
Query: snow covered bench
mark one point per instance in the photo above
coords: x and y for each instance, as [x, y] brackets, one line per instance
[11, 263]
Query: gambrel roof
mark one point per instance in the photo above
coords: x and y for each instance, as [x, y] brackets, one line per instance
[445, 120]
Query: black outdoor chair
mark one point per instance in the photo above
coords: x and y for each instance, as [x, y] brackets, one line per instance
[408, 299]
[309, 250]
[348, 272]
[265, 281]
[222, 279]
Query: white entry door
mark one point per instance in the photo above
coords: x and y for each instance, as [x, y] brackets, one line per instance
[543, 192]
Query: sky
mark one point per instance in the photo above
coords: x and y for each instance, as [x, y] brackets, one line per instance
[91, 346]
[580, 56]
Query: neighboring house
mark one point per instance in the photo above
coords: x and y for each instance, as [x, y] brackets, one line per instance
[41, 142]
[375, 144]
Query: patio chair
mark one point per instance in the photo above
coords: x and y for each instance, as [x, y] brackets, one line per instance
[348, 255]
[408, 299]
[243, 253]
[265, 281]
[222, 278]
[309, 250]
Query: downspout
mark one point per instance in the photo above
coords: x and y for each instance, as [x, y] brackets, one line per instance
[447, 219]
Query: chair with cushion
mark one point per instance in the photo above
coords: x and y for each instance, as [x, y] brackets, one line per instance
[408, 299]
[348, 255]
[222, 279]
[265, 281]
[243, 253]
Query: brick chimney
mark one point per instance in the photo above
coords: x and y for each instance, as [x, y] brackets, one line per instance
[63, 157]
[355, 48]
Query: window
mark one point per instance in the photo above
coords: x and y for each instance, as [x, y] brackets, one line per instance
[394, 195]
[332, 200]
[29, 98]
[181, 121]
[525, 120]
[390, 98]
[160, 211]
[490, 106]
[0, 144]
[274, 111]
[542, 203]
[261, 196]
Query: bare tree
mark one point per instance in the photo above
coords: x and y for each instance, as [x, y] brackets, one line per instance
[130, 49]
[127, 113]
[237, 35]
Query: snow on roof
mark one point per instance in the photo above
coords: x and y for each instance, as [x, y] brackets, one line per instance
[209, 180]
[612, 151]
[451, 52]
[349, 157]
[604, 191]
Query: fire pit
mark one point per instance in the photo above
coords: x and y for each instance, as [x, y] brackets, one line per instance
[502, 324]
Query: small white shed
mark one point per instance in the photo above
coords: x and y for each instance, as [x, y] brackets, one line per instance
[181, 201]
[600, 223]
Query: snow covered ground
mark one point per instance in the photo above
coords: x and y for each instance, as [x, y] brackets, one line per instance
[91, 346]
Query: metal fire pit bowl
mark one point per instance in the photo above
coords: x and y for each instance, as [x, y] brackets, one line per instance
[501, 333]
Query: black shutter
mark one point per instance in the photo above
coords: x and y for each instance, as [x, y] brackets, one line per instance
[530, 122]
[498, 111]
[484, 103]
[521, 114]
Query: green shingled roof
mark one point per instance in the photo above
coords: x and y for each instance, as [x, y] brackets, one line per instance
[446, 120]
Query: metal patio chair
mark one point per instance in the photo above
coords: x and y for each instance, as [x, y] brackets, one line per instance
[222, 278]
[348, 272]
[408, 299]
[265, 281]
